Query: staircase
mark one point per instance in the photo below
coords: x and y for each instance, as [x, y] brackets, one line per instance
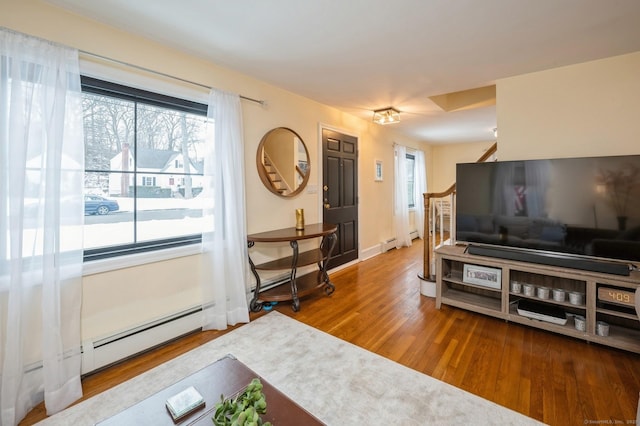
[439, 219]
[274, 177]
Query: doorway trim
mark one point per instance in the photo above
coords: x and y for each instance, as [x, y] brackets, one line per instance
[322, 126]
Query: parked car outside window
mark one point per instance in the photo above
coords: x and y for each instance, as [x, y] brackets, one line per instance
[95, 204]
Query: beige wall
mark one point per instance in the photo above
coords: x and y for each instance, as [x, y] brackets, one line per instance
[114, 301]
[589, 109]
[118, 300]
[445, 158]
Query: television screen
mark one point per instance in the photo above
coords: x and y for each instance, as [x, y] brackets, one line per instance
[578, 206]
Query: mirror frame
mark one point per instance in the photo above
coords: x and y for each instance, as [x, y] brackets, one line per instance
[263, 174]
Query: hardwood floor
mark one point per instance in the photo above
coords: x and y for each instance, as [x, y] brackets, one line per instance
[377, 306]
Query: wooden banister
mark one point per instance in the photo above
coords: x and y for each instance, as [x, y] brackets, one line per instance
[426, 273]
[492, 150]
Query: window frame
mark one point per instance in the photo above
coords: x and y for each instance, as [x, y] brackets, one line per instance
[411, 200]
[140, 249]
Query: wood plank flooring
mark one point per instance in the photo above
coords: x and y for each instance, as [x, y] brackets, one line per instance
[377, 306]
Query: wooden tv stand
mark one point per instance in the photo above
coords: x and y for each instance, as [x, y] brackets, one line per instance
[454, 289]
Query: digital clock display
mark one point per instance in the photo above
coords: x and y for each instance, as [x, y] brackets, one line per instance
[617, 296]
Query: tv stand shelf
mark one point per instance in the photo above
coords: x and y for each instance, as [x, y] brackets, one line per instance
[495, 296]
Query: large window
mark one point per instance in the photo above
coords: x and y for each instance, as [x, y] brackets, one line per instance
[411, 173]
[143, 169]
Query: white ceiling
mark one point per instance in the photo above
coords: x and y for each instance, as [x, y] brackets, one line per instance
[361, 55]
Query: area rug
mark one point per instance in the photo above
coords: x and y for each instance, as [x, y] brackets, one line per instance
[338, 382]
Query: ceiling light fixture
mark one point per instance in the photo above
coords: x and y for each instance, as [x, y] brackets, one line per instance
[386, 116]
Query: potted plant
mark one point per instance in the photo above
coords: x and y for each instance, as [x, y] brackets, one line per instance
[244, 409]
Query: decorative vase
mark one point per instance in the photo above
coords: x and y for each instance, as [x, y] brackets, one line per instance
[299, 219]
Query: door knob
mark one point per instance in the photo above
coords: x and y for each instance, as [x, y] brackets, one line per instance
[327, 205]
[326, 188]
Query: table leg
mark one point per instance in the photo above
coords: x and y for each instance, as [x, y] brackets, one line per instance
[255, 306]
[328, 242]
[294, 267]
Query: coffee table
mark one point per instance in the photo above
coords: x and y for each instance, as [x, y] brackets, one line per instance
[227, 376]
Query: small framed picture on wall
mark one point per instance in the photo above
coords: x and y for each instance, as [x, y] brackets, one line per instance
[378, 171]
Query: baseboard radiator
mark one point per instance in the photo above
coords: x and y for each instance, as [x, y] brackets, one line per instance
[109, 350]
[389, 244]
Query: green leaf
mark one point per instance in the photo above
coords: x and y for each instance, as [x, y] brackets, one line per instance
[244, 409]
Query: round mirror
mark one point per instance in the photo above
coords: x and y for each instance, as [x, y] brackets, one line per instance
[283, 162]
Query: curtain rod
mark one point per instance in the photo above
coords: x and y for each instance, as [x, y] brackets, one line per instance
[246, 98]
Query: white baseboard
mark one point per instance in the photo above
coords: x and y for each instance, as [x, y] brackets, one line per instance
[370, 252]
[106, 351]
[383, 247]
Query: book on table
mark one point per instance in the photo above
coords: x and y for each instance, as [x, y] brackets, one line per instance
[184, 403]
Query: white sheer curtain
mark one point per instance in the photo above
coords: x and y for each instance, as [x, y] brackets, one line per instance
[503, 202]
[401, 202]
[41, 219]
[419, 188]
[537, 180]
[224, 280]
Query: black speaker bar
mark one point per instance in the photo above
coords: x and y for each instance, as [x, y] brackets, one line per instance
[583, 264]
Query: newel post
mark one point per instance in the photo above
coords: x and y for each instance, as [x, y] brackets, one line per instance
[427, 241]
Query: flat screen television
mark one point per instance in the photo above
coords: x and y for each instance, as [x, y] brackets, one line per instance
[566, 209]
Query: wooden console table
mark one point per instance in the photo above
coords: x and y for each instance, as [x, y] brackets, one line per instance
[298, 286]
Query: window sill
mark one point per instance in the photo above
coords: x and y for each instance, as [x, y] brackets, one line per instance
[121, 262]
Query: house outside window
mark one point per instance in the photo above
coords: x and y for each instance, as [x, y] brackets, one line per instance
[137, 145]
[411, 172]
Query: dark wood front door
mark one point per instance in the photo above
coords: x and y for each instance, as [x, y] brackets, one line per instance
[340, 192]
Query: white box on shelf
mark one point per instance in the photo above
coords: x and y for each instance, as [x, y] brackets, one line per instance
[482, 276]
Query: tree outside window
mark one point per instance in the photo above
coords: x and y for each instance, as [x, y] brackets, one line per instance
[144, 151]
